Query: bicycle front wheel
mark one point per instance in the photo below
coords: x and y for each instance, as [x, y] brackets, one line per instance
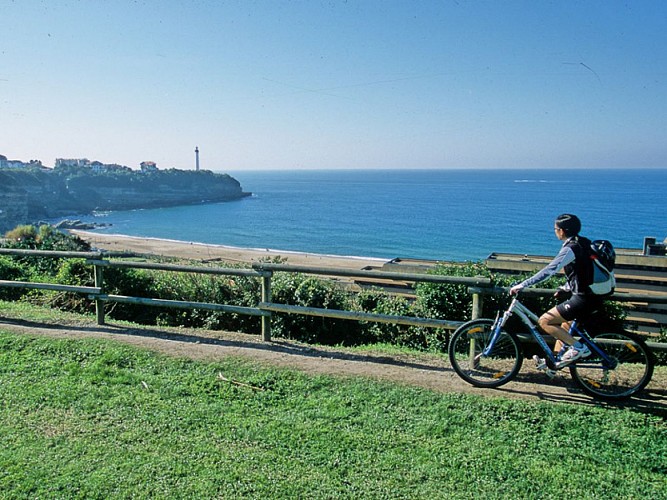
[497, 368]
[630, 371]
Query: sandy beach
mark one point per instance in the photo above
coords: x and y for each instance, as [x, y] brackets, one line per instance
[207, 253]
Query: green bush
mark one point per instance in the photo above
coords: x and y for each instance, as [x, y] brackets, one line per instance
[74, 272]
[378, 302]
[25, 236]
[309, 291]
[134, 283]
[449, 301]
[11, 270]
[45, 237]
[50, 238]
[229, 290]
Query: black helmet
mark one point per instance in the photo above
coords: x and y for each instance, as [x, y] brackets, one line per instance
[569, 223]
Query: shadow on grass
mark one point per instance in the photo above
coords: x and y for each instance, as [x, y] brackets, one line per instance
[652, 400]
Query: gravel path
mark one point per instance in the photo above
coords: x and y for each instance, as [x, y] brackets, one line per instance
[427, 371]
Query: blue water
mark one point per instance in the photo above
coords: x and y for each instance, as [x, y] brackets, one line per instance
[452, 215]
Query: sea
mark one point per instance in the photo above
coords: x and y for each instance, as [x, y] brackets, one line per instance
[446, 215]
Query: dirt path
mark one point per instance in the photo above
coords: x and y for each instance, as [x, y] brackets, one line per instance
[426, 371]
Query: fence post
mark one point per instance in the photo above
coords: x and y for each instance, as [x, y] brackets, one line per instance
[476, 305]
[266, 297]
[99, 304]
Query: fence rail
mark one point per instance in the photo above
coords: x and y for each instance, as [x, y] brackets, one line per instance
[617, 297]
[50, 286]
[412, 277]
[478, 287]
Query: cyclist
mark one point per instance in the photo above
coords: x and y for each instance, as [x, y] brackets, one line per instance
[574, 259]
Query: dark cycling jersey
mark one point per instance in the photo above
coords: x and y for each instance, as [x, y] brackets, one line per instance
[572, 257]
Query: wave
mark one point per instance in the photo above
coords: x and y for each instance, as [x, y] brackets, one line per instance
[537, 181]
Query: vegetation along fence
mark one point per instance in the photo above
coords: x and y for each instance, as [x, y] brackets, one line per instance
[477, 286]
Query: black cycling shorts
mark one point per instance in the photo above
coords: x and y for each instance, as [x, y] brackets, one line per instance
[579, 306]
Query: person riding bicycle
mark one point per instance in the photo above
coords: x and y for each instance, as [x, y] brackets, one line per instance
[574, 259]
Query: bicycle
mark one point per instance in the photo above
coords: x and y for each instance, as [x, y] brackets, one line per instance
[484, 354]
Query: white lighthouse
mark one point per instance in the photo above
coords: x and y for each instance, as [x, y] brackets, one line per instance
[197, 158]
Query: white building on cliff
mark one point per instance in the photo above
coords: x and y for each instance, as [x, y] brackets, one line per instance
[148, 166]
[5, 163]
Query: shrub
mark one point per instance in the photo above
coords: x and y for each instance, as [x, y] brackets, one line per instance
[378, 302]
[50, 238]
[11, 270]
[231, 290]
[25, 235]
[73, 272]
[309, 291]
[44, 238]
[29, 237]
[449, 301]
[131, 282]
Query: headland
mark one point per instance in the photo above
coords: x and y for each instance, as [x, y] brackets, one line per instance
[35, 194]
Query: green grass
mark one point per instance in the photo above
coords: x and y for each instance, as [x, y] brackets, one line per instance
[98, 419]
[43, 314]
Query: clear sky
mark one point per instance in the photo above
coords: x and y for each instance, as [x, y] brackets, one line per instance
[259, 84]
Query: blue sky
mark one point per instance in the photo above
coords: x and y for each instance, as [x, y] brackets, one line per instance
[335, 84]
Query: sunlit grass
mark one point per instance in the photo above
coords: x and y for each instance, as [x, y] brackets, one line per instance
[98, 419]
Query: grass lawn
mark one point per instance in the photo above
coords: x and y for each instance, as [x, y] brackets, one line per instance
[98, 419]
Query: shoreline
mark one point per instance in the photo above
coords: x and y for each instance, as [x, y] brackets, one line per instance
[209, 252]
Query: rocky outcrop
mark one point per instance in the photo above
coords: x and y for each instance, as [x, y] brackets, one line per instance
[30, 195]
[79, 225]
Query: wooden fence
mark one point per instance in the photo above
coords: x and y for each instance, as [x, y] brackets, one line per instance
[478, 287]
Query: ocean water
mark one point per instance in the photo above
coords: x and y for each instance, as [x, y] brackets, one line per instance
[452, 215]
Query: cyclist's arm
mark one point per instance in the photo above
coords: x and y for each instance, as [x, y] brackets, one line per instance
[564, 257]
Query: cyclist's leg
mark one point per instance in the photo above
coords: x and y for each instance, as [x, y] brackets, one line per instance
[559, 343]
[556, 321]
[551, 323]
[578, 306]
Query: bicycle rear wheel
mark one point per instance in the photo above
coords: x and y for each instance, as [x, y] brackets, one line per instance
[494, 370]
[630, 373]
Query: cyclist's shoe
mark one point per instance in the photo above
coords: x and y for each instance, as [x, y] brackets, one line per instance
[573, 354]
[541, 365]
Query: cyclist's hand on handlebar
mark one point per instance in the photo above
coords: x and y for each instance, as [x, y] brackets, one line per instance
[515, 289]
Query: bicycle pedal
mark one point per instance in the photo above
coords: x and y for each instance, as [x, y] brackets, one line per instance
[540, 363]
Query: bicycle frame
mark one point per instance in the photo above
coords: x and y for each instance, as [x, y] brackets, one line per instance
[530, 319]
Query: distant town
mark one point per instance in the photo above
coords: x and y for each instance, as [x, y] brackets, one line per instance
[94, 166]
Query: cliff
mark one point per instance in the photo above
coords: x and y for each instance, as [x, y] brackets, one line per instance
[30, 195]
